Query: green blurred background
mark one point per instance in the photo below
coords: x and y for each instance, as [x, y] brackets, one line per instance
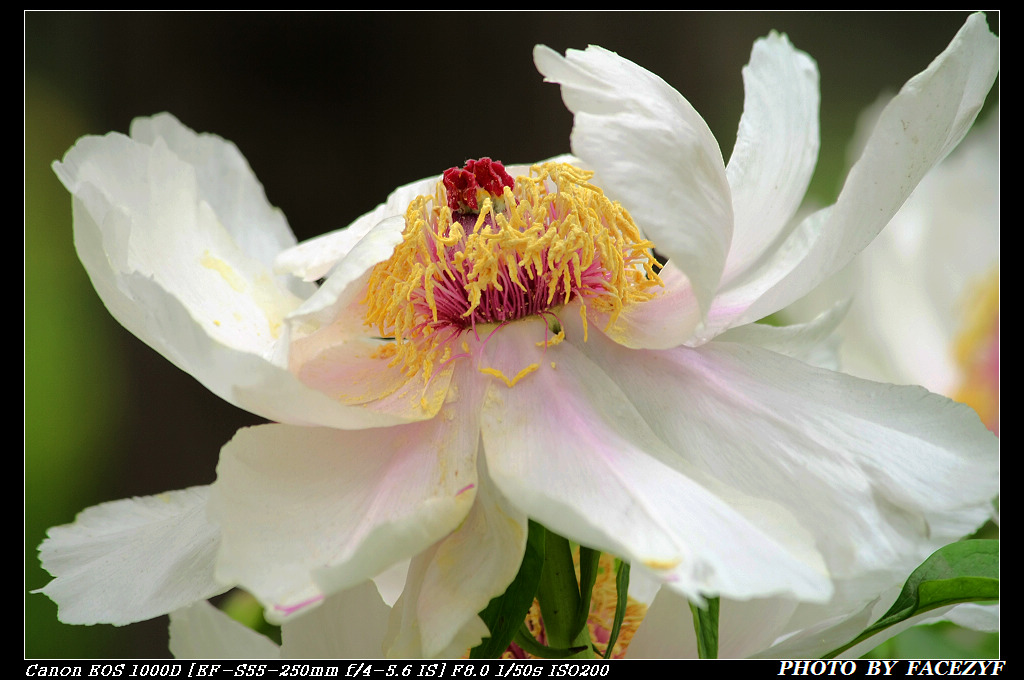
[333, 111]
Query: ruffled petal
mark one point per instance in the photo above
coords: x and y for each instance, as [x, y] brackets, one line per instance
[452, 581]
[224, 180]
[565, 445]
[653, 152]
[141, 207]
[922, 124]
[178, 267]
[776, 147]
[201, 631]
[133, 559]
[881, 475]
[306, 512]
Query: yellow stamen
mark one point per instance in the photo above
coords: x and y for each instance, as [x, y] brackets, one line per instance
[511, 383]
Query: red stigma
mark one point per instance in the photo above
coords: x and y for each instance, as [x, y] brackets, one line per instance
[462, 184]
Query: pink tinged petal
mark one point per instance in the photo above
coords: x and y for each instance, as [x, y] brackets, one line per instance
[668, 320]
[357, 370]
[201, 631]
[133, 559]
[653, 152]
[776, 147]
[567, 447]
[306, 512]
[881, 474]
[244, 379]
[452, 581]
[922, 124]
[348, 625]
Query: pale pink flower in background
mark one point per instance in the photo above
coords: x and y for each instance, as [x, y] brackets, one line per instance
[925, 294]
[458, 373]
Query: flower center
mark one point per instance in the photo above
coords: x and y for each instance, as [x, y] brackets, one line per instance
[487, 249]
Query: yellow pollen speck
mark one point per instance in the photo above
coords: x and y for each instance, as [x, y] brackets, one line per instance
[224, 269]
[519, 376]
[385, 351]
[552, 364]
[662, 564]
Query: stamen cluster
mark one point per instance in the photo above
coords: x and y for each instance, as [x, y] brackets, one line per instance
[547, 239]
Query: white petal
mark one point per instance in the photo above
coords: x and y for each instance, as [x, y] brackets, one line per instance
[813, 342]
[133, 559]
[652, 152]
[565, 446]
[881, 475]
[201, 631]
[225, 181]
[451, 582]
[141, 208]
[347, 284]
[313, 259]
[168, 266]
[776, 147]
[983, 617]
[922, 124]
[306, 512]
[348, 625]
[391, 582]
[745, 628]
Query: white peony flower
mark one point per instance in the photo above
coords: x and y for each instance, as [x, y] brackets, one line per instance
[484, 350]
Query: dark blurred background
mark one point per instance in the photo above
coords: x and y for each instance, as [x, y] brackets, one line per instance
[332, 110]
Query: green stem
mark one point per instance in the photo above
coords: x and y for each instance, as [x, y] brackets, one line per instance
[622, 601]
[559, 597]
[705, 624]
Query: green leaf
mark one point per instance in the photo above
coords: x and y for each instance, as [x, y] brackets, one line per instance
[506, 613]
[621, 597]
[705, 625]
[965, 571]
